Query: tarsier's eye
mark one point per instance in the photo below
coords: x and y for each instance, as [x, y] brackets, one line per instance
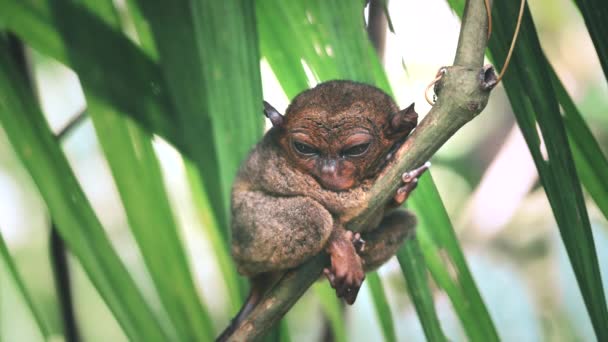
[356, 151]
[304, 149]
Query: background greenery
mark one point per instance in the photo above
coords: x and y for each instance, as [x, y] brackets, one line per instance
[140, 192]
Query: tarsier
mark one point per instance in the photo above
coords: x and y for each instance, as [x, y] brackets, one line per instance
[294, 193]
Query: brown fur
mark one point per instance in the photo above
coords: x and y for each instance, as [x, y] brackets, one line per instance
[284, 212]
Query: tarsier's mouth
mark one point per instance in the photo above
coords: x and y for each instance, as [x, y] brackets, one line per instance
[336, 183]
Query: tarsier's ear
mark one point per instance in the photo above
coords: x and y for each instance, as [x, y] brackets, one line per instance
[275, 117]
[404, 120]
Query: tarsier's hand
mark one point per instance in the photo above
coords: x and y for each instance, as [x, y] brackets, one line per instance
[346, 273]
[410, 181]
[358, 242]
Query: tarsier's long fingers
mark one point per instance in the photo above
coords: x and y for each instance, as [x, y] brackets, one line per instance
[330, 277]
[346, 286]
[350, 293]
[410, 181]
[358, 242]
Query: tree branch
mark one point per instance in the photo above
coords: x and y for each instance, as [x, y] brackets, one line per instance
[462, 92]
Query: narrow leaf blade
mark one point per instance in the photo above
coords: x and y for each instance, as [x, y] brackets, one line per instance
[537, 104]
[414, 269]
[77, 223]
[9, 265]
[591, 163]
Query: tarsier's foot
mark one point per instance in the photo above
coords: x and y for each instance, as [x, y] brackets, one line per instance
[410, 181]
[346, 273]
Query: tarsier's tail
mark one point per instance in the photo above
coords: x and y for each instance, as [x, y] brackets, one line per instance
[252, 300]
[260, 284]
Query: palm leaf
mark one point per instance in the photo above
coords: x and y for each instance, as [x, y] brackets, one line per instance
[9, 265]
[537, 104]
[333, 310]
[595, 13]
[204, 74]
[34, 143]
[590, 161]
[111, 67]
[136, 171]
[447, 263]
[382, 308]
[414, 269]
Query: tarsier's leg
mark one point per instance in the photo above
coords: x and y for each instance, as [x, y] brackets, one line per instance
[346, 271]
[382, 243]
[276, 233]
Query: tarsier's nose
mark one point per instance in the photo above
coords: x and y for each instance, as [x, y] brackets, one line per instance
[329, 167]
[330, 176]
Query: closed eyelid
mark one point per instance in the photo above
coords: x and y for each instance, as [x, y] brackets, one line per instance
[357, 139]
[301, 134]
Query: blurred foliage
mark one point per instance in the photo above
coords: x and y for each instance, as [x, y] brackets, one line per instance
[188, 73]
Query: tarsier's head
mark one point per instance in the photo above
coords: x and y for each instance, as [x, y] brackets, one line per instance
[341, 132]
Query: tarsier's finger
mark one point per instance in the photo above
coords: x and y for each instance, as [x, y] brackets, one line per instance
[409, 187]
[340, 291]
[415, 173]
[358, 242]
[404, 192]
[341, 287]
[351, 294]
[330, 276]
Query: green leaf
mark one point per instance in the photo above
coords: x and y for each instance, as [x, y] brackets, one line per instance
[333, 309]
[381, 304]
[595, 13]
[213, 232]
[38, 149]
[32, 21]
[536, 103]
[336, 47]
[112, 67]
[414, 268]
[590, 161]
[7, 261]
[210, 61]
[132, 160]
[236, 285]
[447, 263]
[138, 178]
[204, 80]
[144, 34]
